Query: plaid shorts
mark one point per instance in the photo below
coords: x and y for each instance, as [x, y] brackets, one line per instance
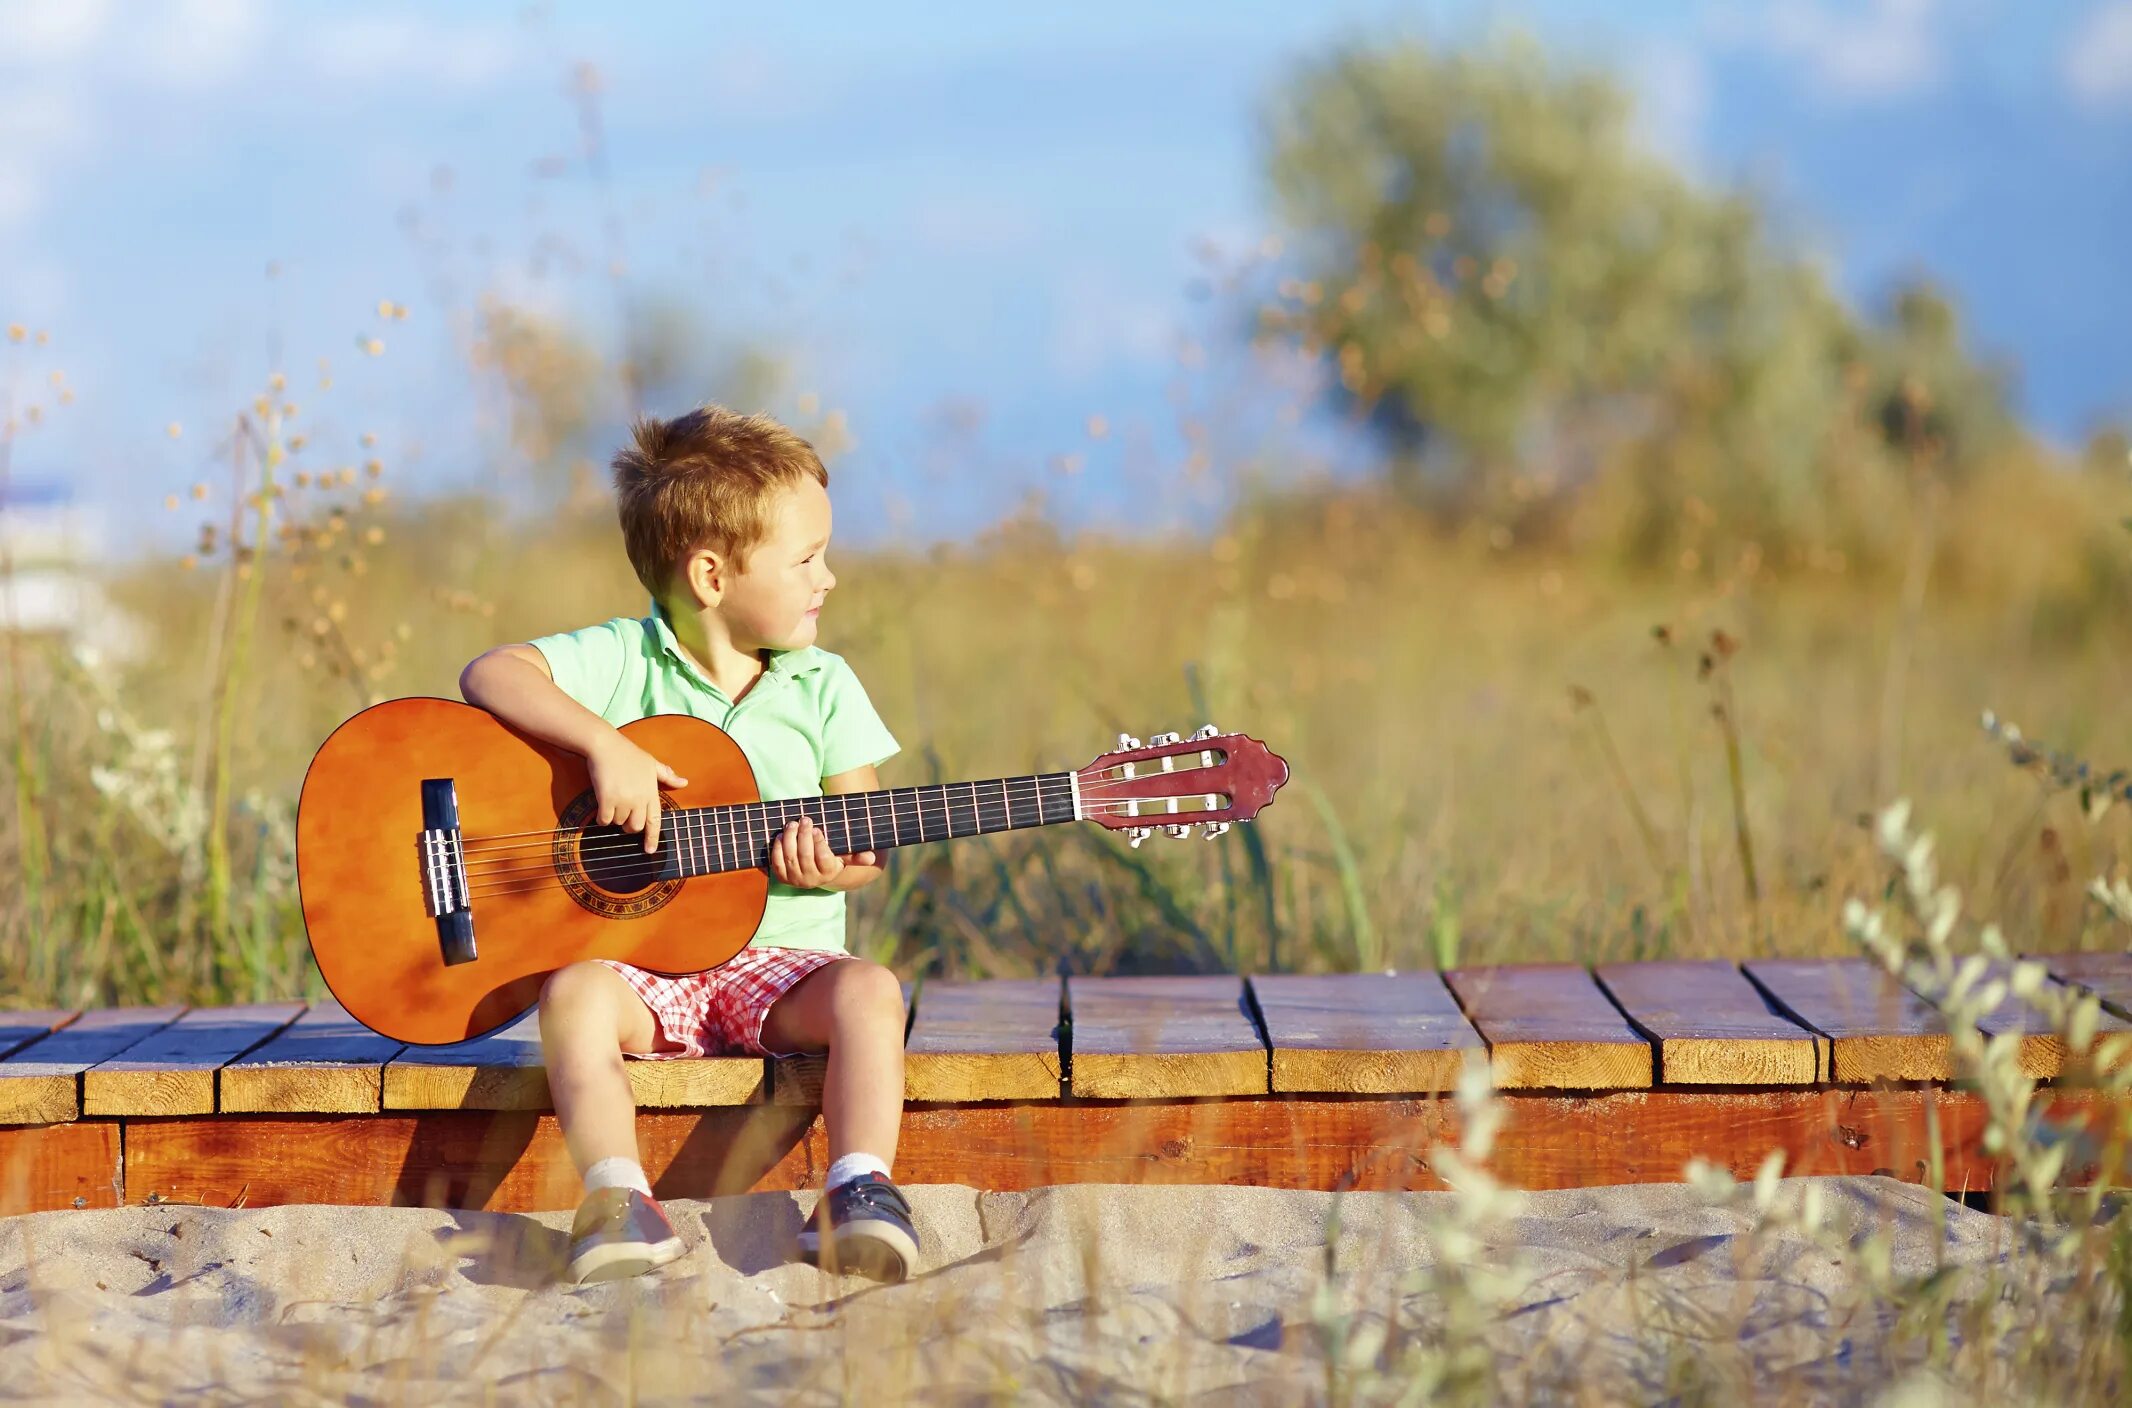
[719, 1012]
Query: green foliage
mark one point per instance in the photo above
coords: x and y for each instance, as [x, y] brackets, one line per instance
[1526, 306]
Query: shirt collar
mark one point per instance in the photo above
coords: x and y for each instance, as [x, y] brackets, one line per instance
[805, 660]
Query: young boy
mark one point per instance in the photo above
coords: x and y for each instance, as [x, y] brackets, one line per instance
[726, 521]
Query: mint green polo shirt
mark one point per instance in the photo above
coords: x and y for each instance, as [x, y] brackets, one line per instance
[805, 718]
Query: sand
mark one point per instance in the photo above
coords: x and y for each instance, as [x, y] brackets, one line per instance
[1124, 1294]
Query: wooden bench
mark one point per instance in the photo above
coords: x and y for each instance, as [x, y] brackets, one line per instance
[1614, 1075]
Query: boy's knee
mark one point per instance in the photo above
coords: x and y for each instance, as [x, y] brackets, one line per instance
[577, 987]
[872, 989]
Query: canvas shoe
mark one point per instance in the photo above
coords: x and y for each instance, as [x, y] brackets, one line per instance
[869, 1230]
[619, 1232]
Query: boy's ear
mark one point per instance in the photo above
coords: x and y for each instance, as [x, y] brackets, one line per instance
[704, 577]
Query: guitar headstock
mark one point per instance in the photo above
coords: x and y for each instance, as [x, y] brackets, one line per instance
[1210, 779]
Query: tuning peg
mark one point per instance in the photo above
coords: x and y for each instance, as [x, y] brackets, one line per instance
[1205, 731]
[1179, 829]
[1164, 740]
[1214, 828]
[1126, 743]
[1137, 834]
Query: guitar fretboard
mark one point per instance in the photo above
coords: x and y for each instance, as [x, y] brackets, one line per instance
[706, 840]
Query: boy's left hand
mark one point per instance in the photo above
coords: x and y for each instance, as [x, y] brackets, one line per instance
[800, 856]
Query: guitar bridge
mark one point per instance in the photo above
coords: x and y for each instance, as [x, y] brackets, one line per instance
[444, 889]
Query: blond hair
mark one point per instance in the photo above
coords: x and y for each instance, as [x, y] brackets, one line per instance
[705, 479]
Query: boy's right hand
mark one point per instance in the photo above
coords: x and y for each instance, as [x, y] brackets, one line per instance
[626, 782]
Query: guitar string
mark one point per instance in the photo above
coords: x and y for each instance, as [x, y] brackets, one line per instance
[620, 842]
[542, 877]
[1102, 808]
[541, 864]
[714, 827]
[485, 845]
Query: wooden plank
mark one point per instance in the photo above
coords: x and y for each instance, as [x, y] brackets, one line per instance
[985, 1041]
[2040, 1052]
[1877, 1028]
[173, 1071]
[1712, 1026]
[1162, 1037]
[517, 1160]
[504, 1071]
[324, 1062]
[41, 1082]
[504, 1161]
[52, 1166]
[1549, 1027]
[1363, 1033]
[2107, 975]
[19, 1028]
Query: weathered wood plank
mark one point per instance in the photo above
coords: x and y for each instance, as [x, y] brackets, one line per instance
[517, 1160]
[985, 1041]
[1364, 1033]
[325, 1062]
[508, 1161]
[1712, 1026]
[2107, 975]
[19, 1028]
[2039, 1051]
[1549, 1027]
[51, 1166]
[504, 1071]
[41, 1082]
[173, 1071]
[1877, 1028]
[1162, 1037]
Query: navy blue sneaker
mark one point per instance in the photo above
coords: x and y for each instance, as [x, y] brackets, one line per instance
[869, 1227]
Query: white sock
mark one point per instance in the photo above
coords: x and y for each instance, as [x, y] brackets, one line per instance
[617, 1172]
[850, 1166]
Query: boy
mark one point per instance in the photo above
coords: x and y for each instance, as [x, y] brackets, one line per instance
[726, 521]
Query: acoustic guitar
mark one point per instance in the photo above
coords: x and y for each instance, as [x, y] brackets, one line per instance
[449, 863]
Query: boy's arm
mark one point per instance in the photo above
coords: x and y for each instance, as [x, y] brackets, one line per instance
[514, 683]
[855, 872]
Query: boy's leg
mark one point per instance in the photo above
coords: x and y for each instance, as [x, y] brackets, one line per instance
[588, 1018]
[854, 1009]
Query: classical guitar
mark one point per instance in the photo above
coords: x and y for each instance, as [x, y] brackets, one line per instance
[448, 863]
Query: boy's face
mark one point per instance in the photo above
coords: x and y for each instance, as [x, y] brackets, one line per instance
[772, 598]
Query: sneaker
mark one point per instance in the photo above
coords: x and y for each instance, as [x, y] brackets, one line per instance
[870, 1232]
[619, 1232]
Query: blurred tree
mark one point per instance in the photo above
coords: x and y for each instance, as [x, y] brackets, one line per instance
[1521, 301]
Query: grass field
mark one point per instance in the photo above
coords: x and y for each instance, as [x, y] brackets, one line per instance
[1498, 753]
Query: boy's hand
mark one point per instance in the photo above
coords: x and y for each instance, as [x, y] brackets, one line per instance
[800, 856]
[626, 780]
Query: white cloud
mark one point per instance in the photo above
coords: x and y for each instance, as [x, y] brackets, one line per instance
[405, 47]
[1870, 49]
[973, 225]
[197, 43]
[1672, 86]
[1097, 324]
[40, 32]
[2098, 62]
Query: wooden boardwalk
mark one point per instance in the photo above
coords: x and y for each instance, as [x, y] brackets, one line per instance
[1618, 1074]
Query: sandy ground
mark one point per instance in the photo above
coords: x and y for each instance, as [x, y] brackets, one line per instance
[1068, 1294]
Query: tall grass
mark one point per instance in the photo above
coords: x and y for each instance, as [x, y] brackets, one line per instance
[1494, 757]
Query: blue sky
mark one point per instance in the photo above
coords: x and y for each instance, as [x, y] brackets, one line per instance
[970, 228]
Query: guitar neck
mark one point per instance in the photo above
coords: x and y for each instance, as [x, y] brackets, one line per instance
[706, 840]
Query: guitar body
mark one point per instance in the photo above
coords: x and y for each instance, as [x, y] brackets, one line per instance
[549, 888]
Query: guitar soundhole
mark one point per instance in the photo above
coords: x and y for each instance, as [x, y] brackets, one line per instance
[605, 868]
[616, 861]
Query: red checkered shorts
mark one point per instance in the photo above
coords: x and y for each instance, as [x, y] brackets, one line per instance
[720, 1012]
